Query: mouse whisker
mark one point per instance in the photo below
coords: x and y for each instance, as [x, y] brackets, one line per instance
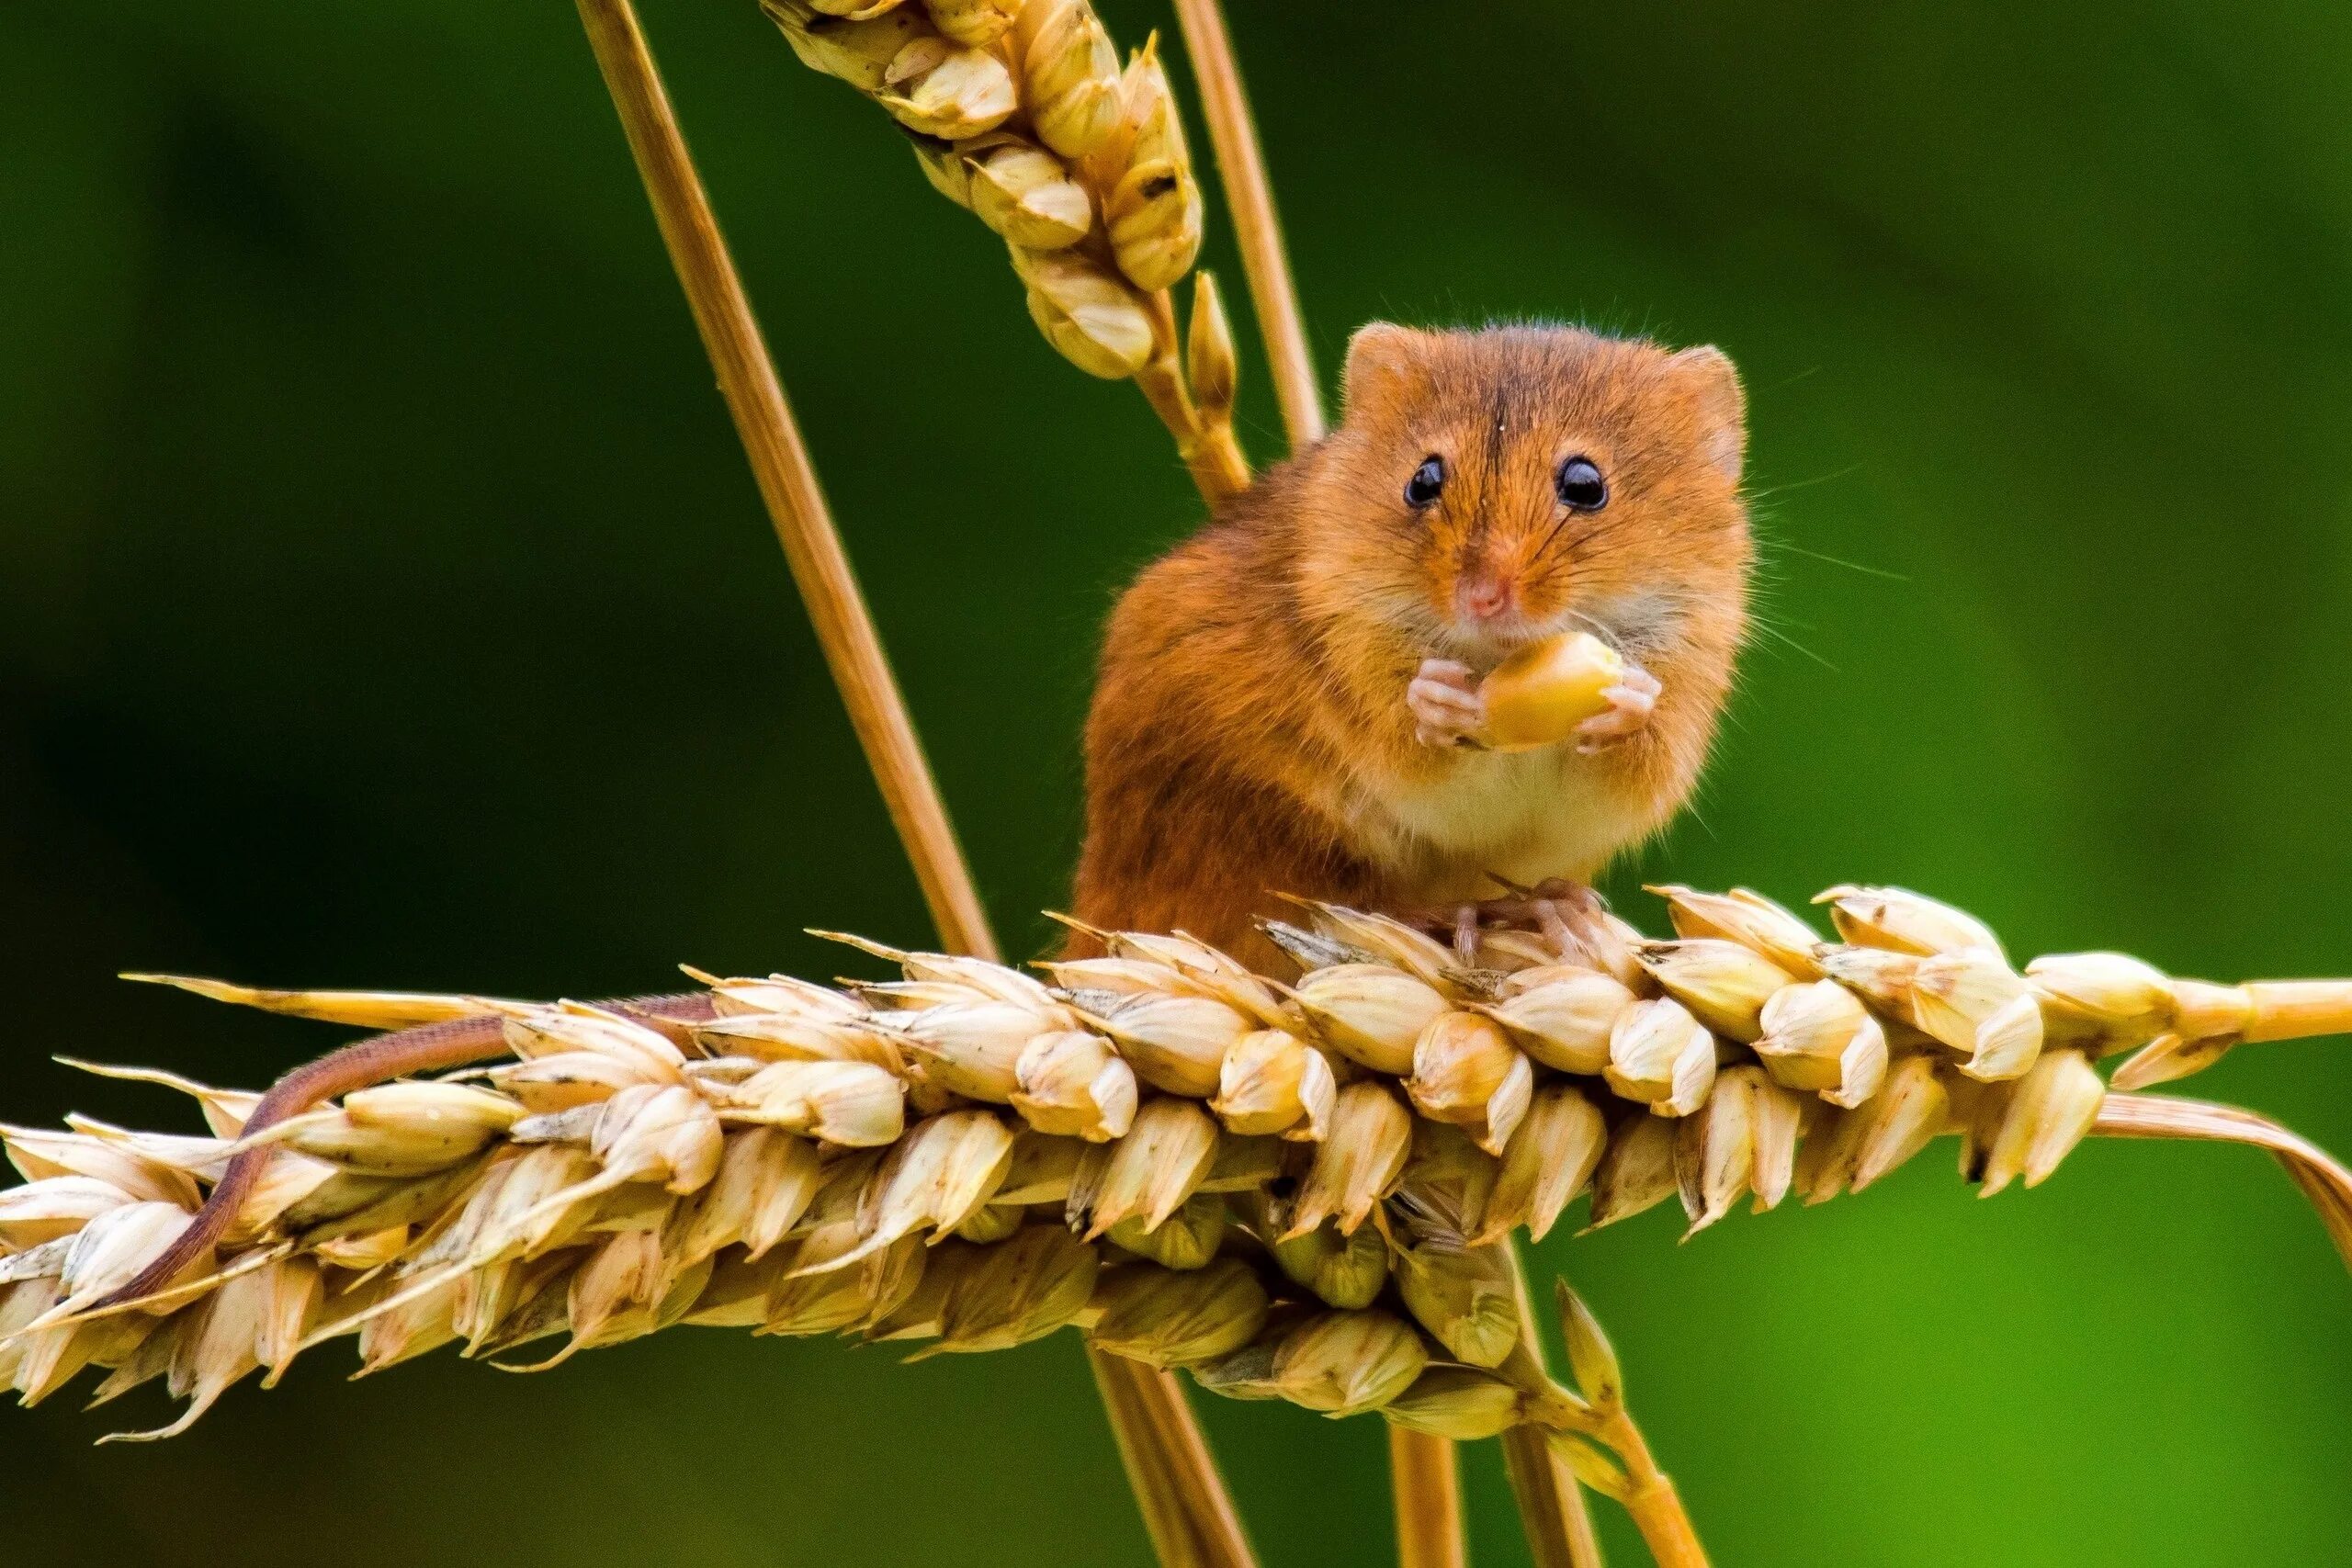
[1598, 628]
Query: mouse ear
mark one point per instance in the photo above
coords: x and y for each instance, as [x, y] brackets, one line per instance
[1382, 359]
[1722, 407]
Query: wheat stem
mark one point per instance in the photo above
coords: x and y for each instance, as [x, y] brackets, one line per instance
[1428, 1488]
[1148, 1477]
[1185, 1508]
[1551, 1510]
[1576, 1518]
[1176, 1481]
[787, 479]
[1656, 1509]
[1551, 1505]
[1241, 168]
[1599, 1412]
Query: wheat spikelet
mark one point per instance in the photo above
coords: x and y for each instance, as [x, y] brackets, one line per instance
[1020, 112]
[1295, 1191]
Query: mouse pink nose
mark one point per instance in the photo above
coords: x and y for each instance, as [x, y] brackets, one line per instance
[1483, 597]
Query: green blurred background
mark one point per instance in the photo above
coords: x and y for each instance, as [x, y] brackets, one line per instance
[383, 600]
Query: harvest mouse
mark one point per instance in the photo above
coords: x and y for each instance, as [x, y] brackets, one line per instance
[1288, 700]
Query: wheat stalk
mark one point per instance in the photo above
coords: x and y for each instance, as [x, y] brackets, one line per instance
[1553, 1517]
[1293, 1191]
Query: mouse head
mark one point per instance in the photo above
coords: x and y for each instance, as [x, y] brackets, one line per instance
[1489, 488]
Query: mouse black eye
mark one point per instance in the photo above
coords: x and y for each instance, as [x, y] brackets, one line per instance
[1580, 486]
[1427, 482]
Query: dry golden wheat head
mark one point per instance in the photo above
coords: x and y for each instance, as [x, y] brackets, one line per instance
[1020, 112]
[1297, 1192]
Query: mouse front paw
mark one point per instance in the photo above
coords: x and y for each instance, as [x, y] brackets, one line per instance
[1631, 702]
[1444, 702]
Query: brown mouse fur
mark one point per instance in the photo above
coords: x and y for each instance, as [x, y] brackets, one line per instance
[1249, 732]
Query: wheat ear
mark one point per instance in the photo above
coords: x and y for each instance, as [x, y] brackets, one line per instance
[1019, 111]
[1303, 1192]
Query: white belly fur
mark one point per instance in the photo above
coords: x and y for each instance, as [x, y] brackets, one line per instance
[1525, 815]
